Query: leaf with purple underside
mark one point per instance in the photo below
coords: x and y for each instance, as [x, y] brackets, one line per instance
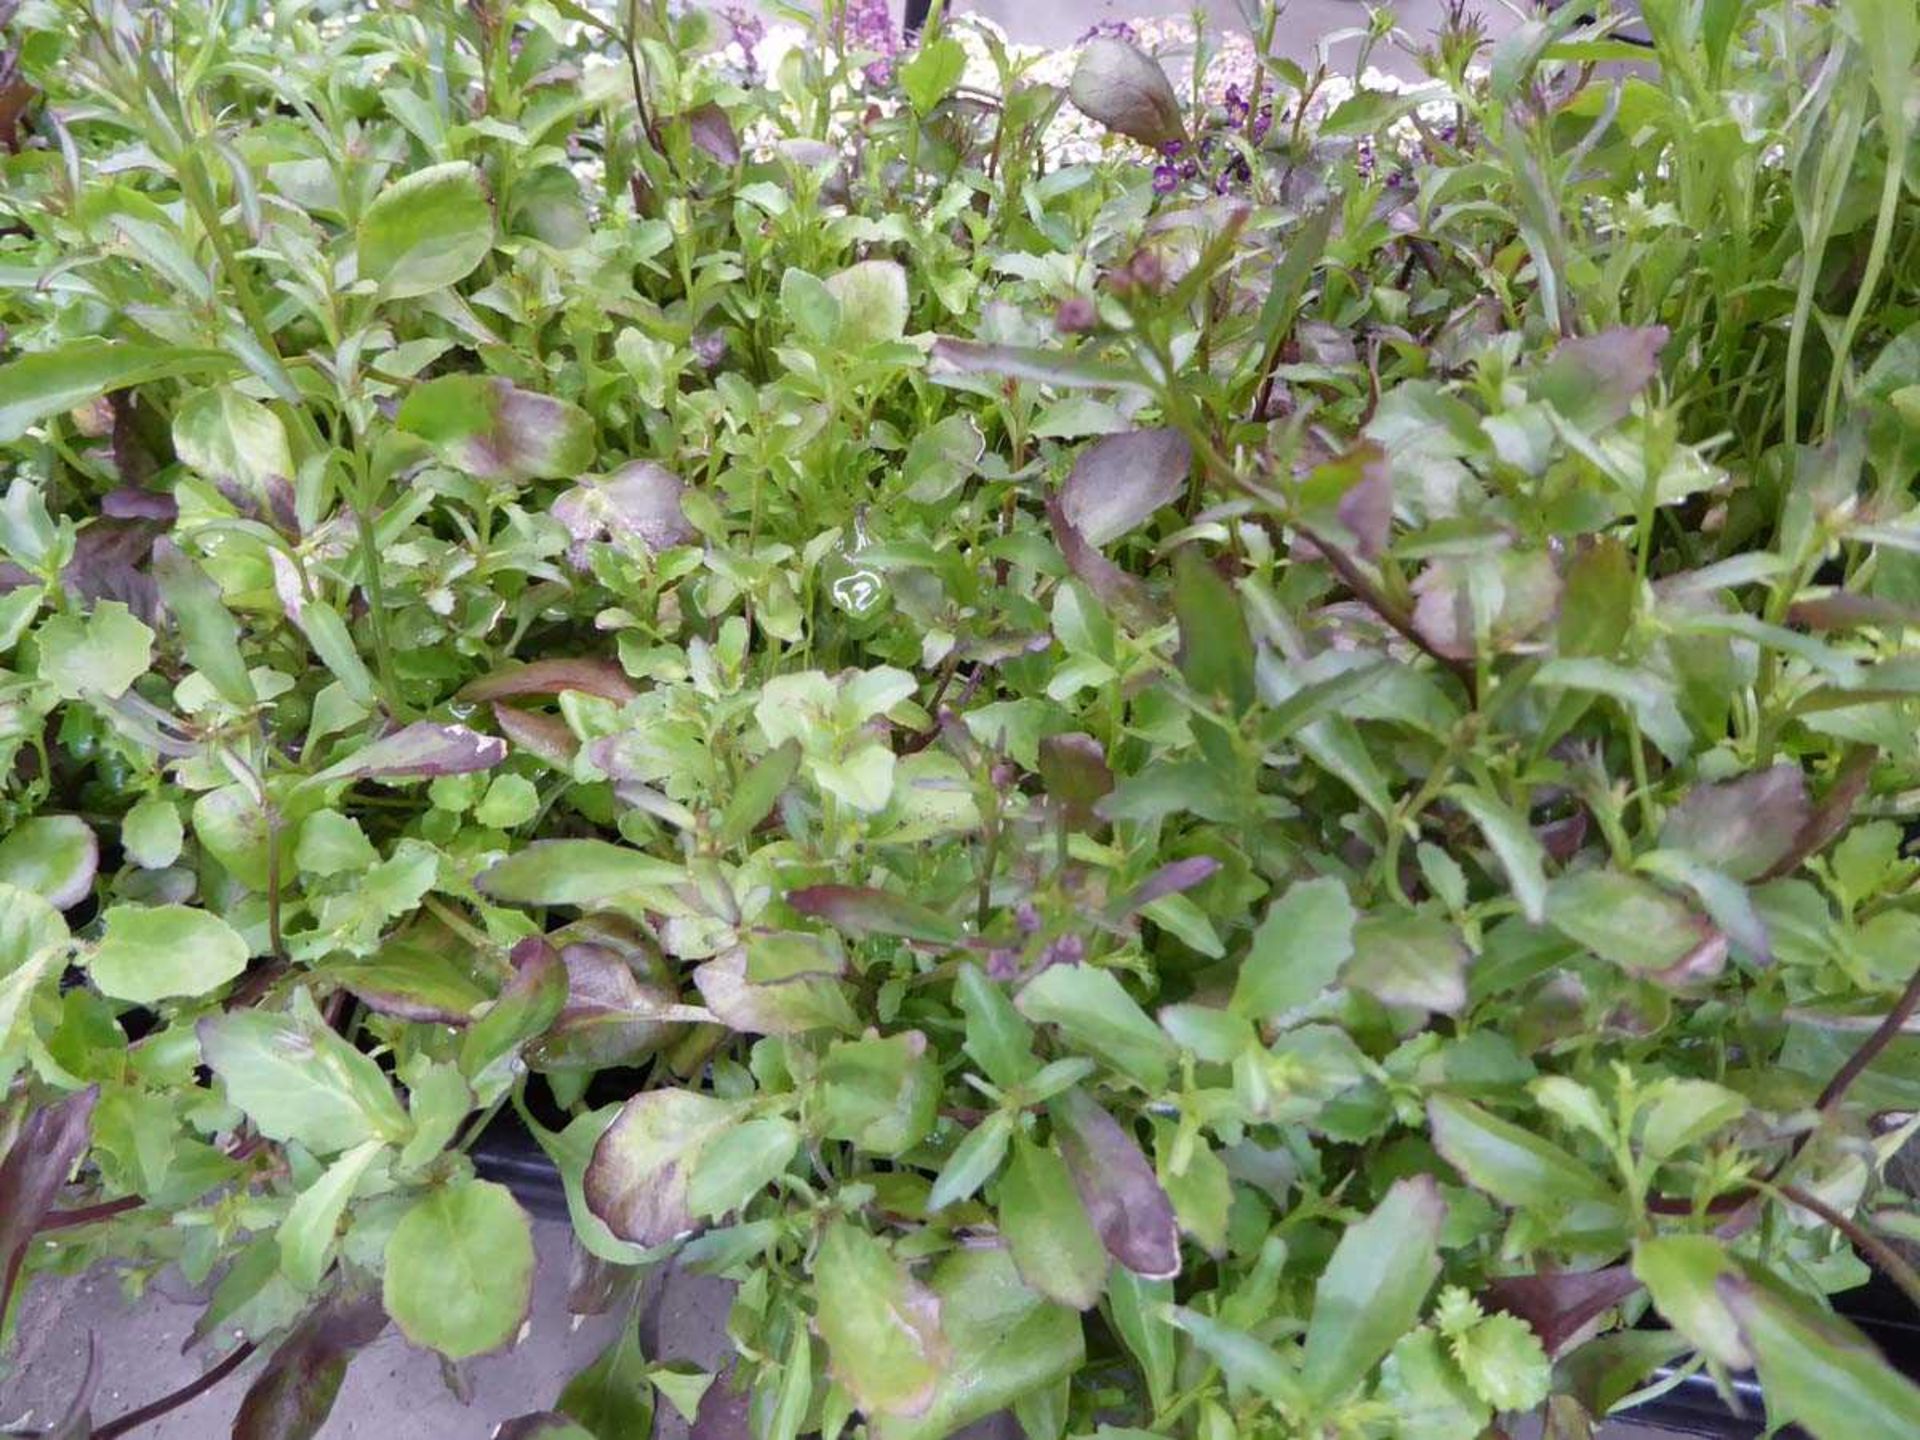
[637, 1180]
[1120, 481]
[488, 427]
[1592, 380]
[1741, 827]
[860, 910]
[37, 1164]
[639, 503]
[1116, 1183]
[419, 751]
[293, 1395]
[554, 677]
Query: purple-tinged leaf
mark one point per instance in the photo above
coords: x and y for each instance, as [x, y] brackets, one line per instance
[1741, 827]
[111, 561]
[1365, 509]
[1704, 962]
[1831, 815]
[417, 752]
[1118, 482]
[54, 856]
[1626, 920]
[1417, 961]
[530, 1001]
[36, 1167]
[132, 503]
[1116, 1183]
[554, 677]
[1592, 380]
[1170, 879]
[722, 1413]
[293, 1395]
[547, 736]
[1100, 575]
[794, 1006]
[637, 1179]
[1123, 88]
[488, 427]
[611, 1016]
[711, 130]
[1018, 362]
[639, 503]
[1524, 594]
[1560, 1306]
[1816, 1369]
[1073, 767]
[861, 911]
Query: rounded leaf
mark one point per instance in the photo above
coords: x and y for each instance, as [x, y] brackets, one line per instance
[1125, 89]
[459, 1271]
[55, 856]
[163, 952]
[426, 231]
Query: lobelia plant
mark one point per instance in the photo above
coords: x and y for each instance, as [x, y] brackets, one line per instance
[1264, 803]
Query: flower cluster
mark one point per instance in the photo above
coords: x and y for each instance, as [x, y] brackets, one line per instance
[868, 25]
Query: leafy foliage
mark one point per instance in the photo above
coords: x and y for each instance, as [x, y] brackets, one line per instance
[1261, 801]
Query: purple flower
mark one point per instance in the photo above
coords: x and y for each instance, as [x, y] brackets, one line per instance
[1076, 316]
[1111, 30]
[1237, 105]
[749, 29]
[1171, 149]
[868, 25]
[1166, 179]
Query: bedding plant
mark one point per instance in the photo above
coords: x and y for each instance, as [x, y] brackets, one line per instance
[1252, 781]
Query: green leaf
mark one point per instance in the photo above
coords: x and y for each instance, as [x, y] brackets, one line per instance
[307, 1234]
[426, 231]
[758, 792]
[1046, 1228]
[150, 833]
[1685, 1113]
[1513, 842]
[100, 655]
[882, 1327]
[1625, 920]
[1510, 1163]
[1002, 1342]
[235, 442]
[151, 953]
[637, 1180]
[739, 1163]
[1427, 1395]
[873, 301]
[1095, 1013]
[1372, 1289]
[33, 940]
[48, 382]
[974, 1161]
[811, 305]
[55, 856]
[1417, 961]
[1504, 1362]
[1216, 652]
[1298, 951]
[576, 872]
[1247, 1362]
[298, 1080]
[613, 1395]
[1819, 1372]
[999, 1041]
[879, 1094]
[1681, 1273]
[929, 77]
[459, 1269]
[208, 632]
[489, 427]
